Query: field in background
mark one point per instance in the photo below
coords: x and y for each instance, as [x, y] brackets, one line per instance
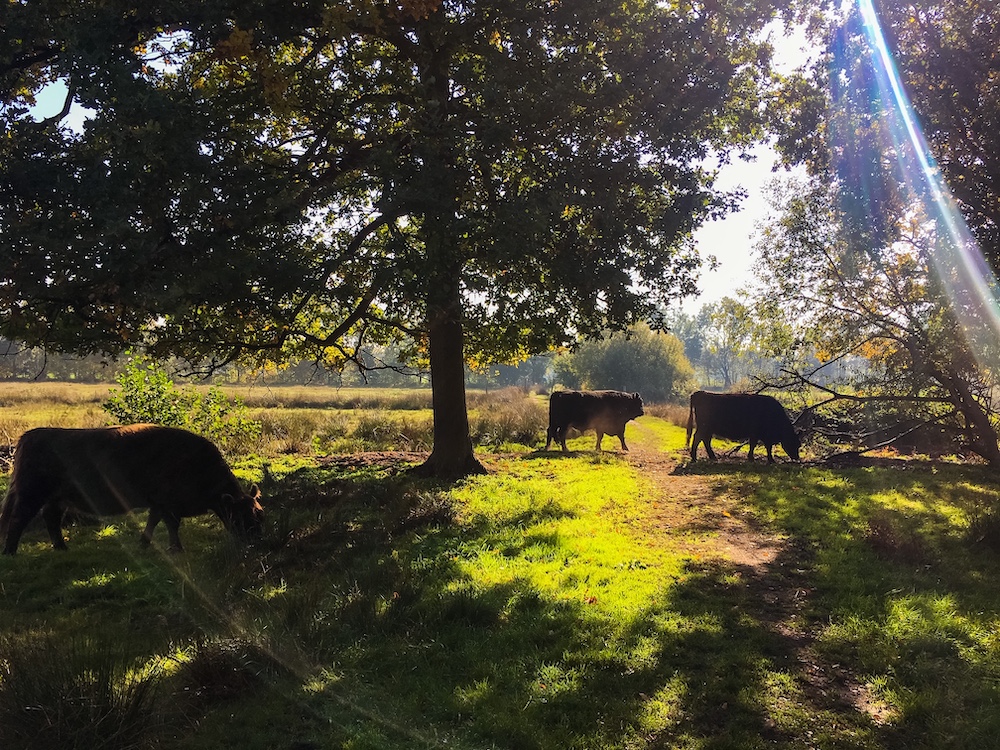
[301, 420]
[584, 600]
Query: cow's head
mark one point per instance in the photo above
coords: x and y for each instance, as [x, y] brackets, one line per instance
[791, 444]
[244, 515]
[635, 404]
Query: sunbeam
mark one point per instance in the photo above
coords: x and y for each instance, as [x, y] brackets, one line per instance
[969, 282]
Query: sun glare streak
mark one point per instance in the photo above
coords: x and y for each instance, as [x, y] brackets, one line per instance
[970, 284]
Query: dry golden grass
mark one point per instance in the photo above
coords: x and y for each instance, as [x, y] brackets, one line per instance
[24, 406]
[674, 413]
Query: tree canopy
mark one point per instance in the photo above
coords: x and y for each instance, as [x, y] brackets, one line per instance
[263, 179]
[863, 258]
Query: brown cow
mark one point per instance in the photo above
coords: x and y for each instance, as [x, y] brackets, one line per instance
[607, 412]
[114, 470]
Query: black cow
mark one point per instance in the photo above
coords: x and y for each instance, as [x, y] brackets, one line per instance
[740, 416]
[603, 411]
[113, 470]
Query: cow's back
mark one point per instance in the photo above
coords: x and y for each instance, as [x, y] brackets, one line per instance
[585, 410]
[570, 409]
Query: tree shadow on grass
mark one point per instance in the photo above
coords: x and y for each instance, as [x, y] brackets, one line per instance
[898, 597]
[364, 586]
[514, 665]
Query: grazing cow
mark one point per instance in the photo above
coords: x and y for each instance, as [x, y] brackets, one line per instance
[603, 411]
[740, 416]
[113, 470]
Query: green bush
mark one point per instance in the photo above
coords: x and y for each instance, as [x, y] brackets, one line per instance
[145, 393]
[640, 359]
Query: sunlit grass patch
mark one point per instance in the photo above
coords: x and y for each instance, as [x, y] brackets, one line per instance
[566, 525]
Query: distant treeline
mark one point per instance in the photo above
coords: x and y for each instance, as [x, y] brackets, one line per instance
[19, 363]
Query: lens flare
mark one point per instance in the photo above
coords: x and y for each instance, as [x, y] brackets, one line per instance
[971, 286]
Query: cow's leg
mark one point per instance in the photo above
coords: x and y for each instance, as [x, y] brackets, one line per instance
[52, 514]
[621, 436]
[17, 522]
[146, 538]
[550, 435]
[600, 438]
[770, 458]
[13, 539]
[753, 444]
[173, 527]
[707, 442]
[562, 438]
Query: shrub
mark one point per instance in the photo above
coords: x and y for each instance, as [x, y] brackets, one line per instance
[146, 393]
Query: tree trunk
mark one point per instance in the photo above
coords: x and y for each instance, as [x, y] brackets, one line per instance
[452, 456]
[979, 429]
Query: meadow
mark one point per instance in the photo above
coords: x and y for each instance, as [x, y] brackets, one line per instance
[561, 601]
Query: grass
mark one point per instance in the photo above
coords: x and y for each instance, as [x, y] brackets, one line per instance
[561, 601]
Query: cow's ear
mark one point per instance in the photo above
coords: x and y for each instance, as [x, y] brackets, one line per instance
[254, 492]
[635, 395]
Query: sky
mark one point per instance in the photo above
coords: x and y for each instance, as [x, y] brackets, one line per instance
[731, 239]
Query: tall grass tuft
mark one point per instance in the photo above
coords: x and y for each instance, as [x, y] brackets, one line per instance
[75, 694]
[984, 526]
[222, 669]
[286, 431]
[380, 430]
[507, 416]
[676, 414]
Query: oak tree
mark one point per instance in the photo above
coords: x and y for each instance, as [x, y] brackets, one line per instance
[480, 179]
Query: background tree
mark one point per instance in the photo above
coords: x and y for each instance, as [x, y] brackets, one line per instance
[260, 180]
[864, 259]
[690, 329]
[884, 306]
[727, 342]
[643, 360]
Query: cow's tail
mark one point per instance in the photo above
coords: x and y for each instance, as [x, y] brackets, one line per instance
[5, 514]
[690, 425]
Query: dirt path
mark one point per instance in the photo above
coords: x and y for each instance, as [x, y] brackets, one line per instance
[776, 571]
